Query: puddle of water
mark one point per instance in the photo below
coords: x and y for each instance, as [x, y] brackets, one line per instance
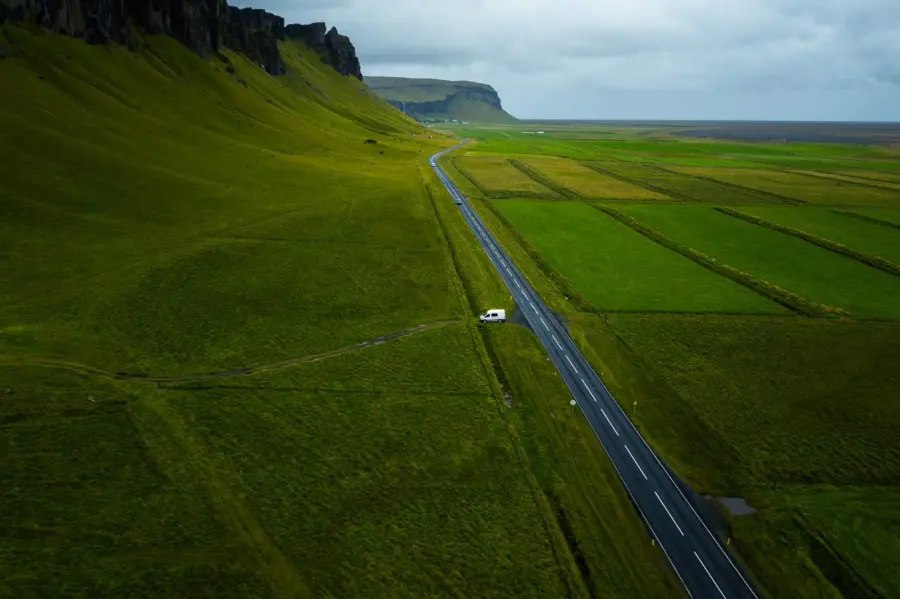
[738, 506]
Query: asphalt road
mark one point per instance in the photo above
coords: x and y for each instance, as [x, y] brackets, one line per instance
[696, 555]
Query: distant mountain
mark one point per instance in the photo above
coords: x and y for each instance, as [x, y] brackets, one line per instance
[437, 100]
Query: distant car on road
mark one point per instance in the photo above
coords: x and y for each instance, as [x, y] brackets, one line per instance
[458, 201]
[493, 315]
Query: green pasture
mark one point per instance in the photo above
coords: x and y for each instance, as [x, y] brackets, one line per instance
[789, 262]
[679, 186]
[804, 188]
[588, 183]
[618, 269]
[858, 234]
[496, 176]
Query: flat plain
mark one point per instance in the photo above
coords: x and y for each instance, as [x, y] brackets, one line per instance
[792, 410]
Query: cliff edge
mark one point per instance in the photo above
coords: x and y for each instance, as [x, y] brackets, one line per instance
[204, 26]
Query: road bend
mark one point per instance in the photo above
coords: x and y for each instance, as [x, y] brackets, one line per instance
[695, 553]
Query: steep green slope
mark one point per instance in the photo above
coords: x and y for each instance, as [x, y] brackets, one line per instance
[227, 306]
[437, 100]
[137, 160]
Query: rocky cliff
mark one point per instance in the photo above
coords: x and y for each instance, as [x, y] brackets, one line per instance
[334, 48]
[204, 26]
[437, 100]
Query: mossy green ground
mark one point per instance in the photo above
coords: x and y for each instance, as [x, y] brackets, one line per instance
[794, 413]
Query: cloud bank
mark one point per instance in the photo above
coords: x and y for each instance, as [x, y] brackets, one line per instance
[665, 59]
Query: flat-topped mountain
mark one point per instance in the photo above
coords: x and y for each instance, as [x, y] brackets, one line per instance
[438, 100]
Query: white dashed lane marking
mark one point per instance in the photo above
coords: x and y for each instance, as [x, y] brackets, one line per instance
[710, 575]
[609, 422]
[672, 518]
[589, 390]
[635, 463]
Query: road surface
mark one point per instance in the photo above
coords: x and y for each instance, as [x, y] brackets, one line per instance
[696, 555]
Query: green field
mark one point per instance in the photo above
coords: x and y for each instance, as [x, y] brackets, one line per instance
[680, 186]
[879, 180]
[789, 414]
[785, 425]
[498, 178]
[884, 216]
[809, 271]
[816, 190]
[794, 413]
[861, 235]
[588, 183]
[617, 269]
[880, 177]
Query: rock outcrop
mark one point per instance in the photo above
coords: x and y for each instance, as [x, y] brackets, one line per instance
[204, 26]
[334, 49]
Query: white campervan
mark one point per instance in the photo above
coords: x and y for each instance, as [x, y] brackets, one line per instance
[495, 315]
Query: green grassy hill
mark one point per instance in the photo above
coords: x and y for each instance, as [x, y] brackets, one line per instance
[437, 100]
[228, 305]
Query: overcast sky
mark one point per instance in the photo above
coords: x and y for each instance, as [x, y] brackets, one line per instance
[664, 59]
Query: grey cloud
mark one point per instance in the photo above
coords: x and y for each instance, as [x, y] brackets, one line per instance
[767, 59]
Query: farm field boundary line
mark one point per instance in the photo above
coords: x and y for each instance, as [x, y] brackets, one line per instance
[59, 363]
[545, 181]
[763, 195]
[867, 218]
[639, 183]
[773, 292]
[844, 179]
[833, 246]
